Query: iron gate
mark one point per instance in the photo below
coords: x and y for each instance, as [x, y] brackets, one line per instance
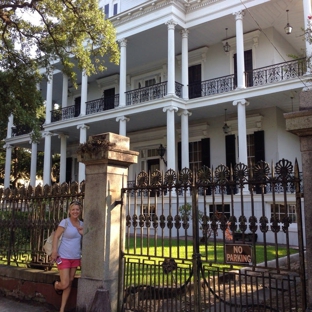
[223, 239]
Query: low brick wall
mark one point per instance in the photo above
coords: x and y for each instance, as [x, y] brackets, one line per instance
[34, 285]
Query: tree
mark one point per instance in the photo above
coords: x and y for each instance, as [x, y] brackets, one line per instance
[36, 34]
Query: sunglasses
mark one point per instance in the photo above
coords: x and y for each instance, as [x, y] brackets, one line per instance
[75, 202]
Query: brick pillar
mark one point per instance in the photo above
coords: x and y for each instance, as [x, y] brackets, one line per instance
[106, 174]
[300, 123]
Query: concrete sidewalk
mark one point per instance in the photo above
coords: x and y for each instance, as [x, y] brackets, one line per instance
[11, 305]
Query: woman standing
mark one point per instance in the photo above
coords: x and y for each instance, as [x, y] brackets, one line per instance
[68, 254]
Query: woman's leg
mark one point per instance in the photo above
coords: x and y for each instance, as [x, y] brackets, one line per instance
[66, 281]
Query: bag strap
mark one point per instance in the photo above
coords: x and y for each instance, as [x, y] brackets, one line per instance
[66, 223]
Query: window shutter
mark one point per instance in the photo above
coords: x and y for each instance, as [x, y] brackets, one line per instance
[115, 8]
[205, 152]
[206, 157]
[230, 150]
[69, 162]
[77, 106]
[259, 146]
[230, 154]
[106, 11]
[248, 68]
[179, 156]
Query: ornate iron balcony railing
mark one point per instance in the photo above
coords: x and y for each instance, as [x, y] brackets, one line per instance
[178, 89]
[257, 77]
[212, 86]
[20, 130]
[102, 104]
[278, 72]
[146, 94]
[64, 113]
[150, 93]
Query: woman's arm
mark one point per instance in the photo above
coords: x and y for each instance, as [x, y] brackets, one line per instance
[80, 230]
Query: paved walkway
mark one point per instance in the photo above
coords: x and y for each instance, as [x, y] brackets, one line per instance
[11, 305]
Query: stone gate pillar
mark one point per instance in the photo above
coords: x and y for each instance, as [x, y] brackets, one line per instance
[300, 123]
[107, 158]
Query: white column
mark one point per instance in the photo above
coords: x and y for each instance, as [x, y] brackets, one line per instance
[123, 72]
[49, 99]
[185, 138]
[33, 163]
[65, 90]
[307, 25]
[84, 93]
[242, 131]
[185, 78]
[122, 124]
[240, 50]
[171, 57]
[170, 136]
[63, 139]
[10, 126]
[83, 139]
[47, 158]
[8, 160]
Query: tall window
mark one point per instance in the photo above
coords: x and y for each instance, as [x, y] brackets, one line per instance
[251, 149]
[281, 211]
[195, 155]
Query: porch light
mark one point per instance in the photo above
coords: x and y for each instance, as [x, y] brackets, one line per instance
[226, 47]
[226, 128]
[161, 152]
[287, 28]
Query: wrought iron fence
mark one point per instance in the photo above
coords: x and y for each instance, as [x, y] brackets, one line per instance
[215, 252]
[27, 218]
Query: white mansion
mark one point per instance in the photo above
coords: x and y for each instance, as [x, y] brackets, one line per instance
[209, 80]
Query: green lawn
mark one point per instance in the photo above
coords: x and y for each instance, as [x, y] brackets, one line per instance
[183, 251]
[145, 258]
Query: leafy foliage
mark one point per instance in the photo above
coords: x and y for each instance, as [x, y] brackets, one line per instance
[37, 34]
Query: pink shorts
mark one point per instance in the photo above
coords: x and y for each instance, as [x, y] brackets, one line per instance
[69, 263]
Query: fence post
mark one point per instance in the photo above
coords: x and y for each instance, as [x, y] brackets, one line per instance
[196, 254]
[107, 158]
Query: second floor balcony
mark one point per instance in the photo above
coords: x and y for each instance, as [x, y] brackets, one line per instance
[257, 77]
